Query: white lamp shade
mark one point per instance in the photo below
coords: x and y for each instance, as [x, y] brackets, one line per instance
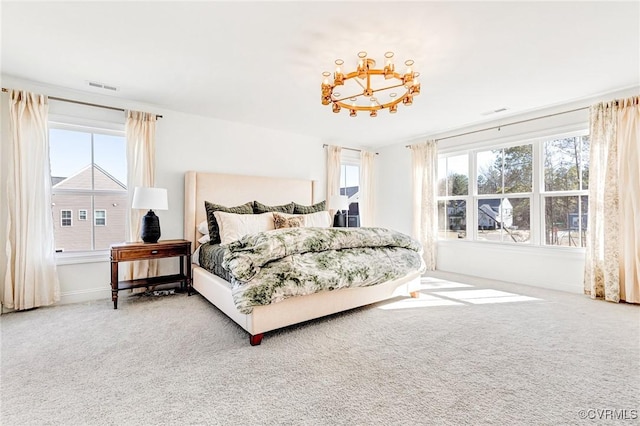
[339, 202]
[150, 198]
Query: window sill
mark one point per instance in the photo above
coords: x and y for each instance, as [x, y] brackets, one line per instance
[72, 258]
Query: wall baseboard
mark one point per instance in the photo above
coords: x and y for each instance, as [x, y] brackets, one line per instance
[85, 295]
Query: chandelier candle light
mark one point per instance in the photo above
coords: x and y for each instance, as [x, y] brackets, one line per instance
[378, 89]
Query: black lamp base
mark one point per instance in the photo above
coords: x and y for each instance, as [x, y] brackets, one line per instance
[340, 219]
[150, 229]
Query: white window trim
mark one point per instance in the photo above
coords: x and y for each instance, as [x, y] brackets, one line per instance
[95, 217]
[80, 214]
[70, 218]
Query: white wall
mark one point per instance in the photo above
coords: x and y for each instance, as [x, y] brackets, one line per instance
[183, 142]
[549, 267]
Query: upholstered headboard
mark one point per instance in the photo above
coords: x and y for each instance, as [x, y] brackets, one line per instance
[233, 190]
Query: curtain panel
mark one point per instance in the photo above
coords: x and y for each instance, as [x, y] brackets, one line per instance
[140, 131]
[31, 278]
[424, 164]
[612, 269]
[366, 202]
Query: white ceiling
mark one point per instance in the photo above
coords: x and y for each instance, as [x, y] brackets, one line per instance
[261, 62]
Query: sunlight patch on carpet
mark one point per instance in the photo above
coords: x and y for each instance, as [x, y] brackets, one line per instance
[424, 301]
[484, 296]
[436, 285]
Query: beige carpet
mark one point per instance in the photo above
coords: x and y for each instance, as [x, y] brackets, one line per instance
[484, 354]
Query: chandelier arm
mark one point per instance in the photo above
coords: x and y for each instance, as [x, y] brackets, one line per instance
[390, 87]
[357, 80]
[347, 97]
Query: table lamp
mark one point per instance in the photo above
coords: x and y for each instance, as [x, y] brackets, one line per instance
[341, 204]
[150, 198]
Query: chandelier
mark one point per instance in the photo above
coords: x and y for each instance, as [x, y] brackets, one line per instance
[370, 89]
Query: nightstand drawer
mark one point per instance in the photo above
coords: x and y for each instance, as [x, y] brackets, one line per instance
[137, 253]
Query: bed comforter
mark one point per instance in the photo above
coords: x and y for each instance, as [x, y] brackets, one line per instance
[271, 266]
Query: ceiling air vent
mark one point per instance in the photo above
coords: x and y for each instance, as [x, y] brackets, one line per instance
[102, 86]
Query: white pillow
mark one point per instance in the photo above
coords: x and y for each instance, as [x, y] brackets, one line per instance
[320, 219]
[204, 239]
[203, 228]
[235, 226]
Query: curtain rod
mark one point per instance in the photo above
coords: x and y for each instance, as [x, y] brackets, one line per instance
[349, 149]
[508, 124]
[83, 103]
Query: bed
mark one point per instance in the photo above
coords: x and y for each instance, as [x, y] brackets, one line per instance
[233, 190]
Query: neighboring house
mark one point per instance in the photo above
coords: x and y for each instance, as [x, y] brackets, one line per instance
[74, 216]
[574, 219]
[457, 215]
[495, 213]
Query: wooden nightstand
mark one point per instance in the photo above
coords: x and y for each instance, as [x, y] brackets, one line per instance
[128, 252]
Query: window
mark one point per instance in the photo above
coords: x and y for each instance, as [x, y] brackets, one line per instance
[350, 186]
[505, 185]
[65, 217]
[100, 217]
[566, 180]
[521, 193]
[453, 190]
[88, 174]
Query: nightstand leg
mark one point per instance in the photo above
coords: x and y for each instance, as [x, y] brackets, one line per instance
[189, 278]
[114, 284]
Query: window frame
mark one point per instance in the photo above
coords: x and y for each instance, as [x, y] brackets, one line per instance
[350, 158]
[80, 212]
[466, 198]
[536, 196]
[70, 218]
[92, 127]
[95, 217]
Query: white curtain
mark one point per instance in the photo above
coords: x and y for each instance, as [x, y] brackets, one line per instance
[141, 147]
[424, 163]
[31, 279]
[366, 202]
[333, 174]
[612, 267]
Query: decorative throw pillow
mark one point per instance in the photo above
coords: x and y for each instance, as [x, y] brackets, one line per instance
[258, 207]
[281, 221]
[234, 226]
[214, 232]
[318, 207]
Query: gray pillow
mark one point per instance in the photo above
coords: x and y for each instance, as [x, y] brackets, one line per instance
[258, 208]
[214, 229]
[318, 207]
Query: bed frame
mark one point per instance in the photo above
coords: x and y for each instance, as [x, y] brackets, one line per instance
[233, 190]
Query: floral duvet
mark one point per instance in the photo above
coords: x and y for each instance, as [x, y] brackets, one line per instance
[271, 266]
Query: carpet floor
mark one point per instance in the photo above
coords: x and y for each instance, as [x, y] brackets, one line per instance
[463, 353]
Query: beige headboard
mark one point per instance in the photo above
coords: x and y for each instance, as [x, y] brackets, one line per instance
[232, 190]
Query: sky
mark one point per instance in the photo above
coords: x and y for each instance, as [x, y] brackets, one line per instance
[70, 152]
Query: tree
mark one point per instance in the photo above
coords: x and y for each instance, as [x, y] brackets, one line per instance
[458, 184]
